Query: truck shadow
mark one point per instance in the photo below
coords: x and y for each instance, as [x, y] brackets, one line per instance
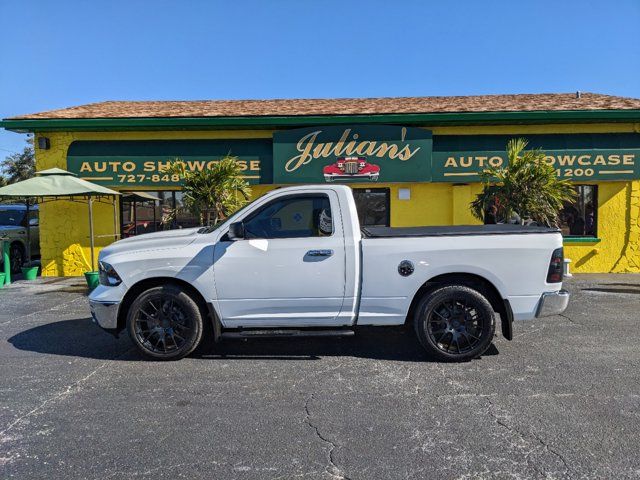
[74, 338]
[81, 338]
[396, 344]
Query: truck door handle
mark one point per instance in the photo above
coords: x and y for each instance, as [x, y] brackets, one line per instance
[320, 253]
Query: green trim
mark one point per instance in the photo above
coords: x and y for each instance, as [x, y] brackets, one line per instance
[580, 240]
[468, 118]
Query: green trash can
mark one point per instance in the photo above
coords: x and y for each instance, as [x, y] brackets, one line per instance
[93, 279]
[6, 263]
[30, 273]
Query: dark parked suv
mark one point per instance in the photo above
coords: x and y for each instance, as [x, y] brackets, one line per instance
[13, 225]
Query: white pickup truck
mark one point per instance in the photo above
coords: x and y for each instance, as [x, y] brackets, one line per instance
[297, 262]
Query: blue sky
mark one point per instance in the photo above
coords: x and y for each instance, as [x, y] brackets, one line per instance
[59, 53]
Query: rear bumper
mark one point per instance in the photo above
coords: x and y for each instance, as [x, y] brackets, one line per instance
[552, 303]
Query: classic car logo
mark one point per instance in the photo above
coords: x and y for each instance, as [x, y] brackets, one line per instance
[349, 168]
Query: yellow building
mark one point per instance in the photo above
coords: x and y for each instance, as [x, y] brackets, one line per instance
[411, 161]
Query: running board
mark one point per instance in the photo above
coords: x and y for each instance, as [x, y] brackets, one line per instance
[273, 333]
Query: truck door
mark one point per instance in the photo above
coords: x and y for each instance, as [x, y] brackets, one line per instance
[290, 268]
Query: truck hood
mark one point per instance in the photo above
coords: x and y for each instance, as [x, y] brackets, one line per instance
[153, 241]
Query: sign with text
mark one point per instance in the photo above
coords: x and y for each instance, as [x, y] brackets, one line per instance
[135, 164]
[350, 154]
[600, 157]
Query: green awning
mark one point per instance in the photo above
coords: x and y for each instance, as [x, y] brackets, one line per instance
[55, 182]
[141, 196]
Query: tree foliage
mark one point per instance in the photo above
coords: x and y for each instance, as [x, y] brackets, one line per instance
[215, 193]
[527, 186]
[19, 166]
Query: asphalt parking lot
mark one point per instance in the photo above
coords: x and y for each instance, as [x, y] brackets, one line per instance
[560, 401]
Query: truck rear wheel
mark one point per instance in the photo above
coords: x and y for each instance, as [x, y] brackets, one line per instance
[165, 323]
[455, 323]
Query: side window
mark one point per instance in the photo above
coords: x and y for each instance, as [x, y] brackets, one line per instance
[292, 217]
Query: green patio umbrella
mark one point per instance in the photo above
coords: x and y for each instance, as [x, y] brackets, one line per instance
[58, 184]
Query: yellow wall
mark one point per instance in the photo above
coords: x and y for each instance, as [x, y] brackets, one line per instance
[64, 232]
[618, 229]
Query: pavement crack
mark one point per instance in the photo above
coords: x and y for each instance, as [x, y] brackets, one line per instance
[531, 436]
[570, 319]
[552, 450]
[332, 469]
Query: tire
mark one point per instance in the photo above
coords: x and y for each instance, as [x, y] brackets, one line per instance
[16, 257]
[165, 323]
[455, 323]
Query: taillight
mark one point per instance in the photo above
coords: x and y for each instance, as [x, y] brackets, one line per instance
[556, 266]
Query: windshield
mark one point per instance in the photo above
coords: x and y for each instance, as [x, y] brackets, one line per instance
[213, 228]
[11, 217]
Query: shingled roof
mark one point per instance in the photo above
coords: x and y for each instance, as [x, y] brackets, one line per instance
[340, 106]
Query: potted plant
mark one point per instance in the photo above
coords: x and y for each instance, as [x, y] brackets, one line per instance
[30, 270]
[93, 279]
[526, 189]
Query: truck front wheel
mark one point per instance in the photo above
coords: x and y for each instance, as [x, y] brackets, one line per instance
[165, 323]
[455, 323]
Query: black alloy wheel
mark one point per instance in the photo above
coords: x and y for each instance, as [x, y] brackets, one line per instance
[455, 323]
[165, 323]
[16, 257]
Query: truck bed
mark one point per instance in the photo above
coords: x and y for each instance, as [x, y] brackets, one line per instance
[454, 231]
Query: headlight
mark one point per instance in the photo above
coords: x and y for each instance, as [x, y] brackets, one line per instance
[108, 276]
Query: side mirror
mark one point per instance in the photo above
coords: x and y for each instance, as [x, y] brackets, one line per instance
[236, 231]
[33, 222]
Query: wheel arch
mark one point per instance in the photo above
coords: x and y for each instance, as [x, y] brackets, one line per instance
[207, 309]
[471, 280]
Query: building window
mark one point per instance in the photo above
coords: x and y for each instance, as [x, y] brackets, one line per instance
[580, 218]
[183, 217]
[373, 206]
[147, 212]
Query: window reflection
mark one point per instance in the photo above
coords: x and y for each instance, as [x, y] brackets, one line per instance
[372, 205]
[184, 218]
[580, 218]
[146, 212]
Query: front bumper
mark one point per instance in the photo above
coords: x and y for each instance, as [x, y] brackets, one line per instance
[105, 314]
[552, 303]
[105, 303]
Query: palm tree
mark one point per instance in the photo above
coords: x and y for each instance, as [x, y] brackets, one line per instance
[215, 193]
[527, 186]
